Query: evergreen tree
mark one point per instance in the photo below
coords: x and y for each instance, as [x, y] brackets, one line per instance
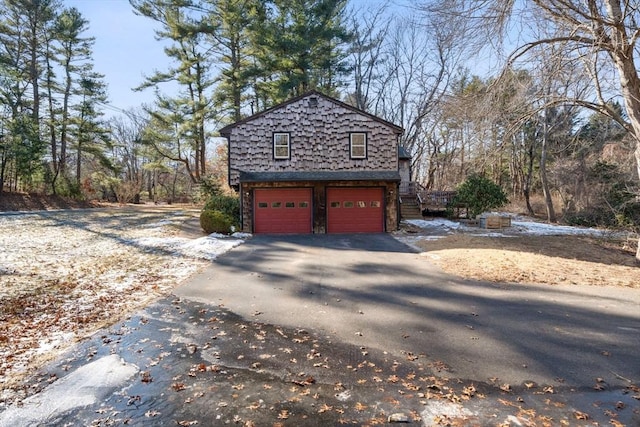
[229, 21]
[89, 132]
[299, 46]
[24, 26]
[184, 25]
[73, 55]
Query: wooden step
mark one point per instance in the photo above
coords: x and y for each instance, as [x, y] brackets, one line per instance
[410, 210]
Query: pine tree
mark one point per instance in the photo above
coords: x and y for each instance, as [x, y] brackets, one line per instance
[229, 21]
[73, 55]
[184, 26]
[299, 46]
[89, 132]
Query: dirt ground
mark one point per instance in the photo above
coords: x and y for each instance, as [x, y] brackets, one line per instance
[30, 202]
[524, 258]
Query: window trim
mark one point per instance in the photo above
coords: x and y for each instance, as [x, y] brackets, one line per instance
[351, 146]
[273, 139]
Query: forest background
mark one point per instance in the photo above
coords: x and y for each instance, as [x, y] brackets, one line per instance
[542, 97]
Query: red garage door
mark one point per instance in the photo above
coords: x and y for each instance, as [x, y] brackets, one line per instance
[355, 210]
[282, 210]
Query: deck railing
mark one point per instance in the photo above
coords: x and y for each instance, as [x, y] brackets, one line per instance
[424, 197]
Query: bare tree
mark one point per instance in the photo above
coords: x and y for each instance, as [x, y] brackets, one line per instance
[367, 52]
[605, 33]
[420, 60]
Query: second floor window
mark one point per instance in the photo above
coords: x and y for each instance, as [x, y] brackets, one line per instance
[281, 146]
[358, 145]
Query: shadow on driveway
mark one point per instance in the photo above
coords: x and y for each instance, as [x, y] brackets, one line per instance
[374, 291]
[341, 329]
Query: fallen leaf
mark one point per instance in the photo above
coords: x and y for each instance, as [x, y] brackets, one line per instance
[580, 415]
[145, 377]
[360, 407]
[284, 414]
[506, 388]
[324, 408]
[178, 386]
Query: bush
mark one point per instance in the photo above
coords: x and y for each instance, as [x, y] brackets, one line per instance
[214, 221]
[229, 205]
[479, 194]
[626, 217]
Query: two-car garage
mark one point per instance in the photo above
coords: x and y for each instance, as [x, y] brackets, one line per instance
[291, 210]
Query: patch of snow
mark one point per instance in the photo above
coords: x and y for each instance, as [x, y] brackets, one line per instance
[518, 225]
[85, 386]
[435, 409]
[54, 341]
[159, 224]
[544, 229]
[208, 247]
[435, 223]
[239, 235]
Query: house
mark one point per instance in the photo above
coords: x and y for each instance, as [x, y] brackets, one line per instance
[314, 164]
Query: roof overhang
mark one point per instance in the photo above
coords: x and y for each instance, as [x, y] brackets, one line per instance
[323, 176]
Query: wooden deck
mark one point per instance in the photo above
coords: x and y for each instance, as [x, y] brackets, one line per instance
[428, 201]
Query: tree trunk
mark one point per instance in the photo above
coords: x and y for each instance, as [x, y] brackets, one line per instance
[78, 164]
[623, 57]
[529, 180]
[638, 196]
[551, 214]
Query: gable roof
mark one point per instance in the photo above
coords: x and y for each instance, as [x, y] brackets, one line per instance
[226, 131]
[374, 175]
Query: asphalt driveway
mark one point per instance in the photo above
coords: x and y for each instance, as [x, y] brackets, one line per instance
[373, 291]
[354, 329]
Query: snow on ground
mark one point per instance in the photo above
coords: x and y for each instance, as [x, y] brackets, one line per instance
[519, 225]
[64, 274]
[208, 247]
[87, 385]
[438, 228]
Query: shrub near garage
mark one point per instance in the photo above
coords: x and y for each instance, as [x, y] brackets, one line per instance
[221, 211]
[215, 222]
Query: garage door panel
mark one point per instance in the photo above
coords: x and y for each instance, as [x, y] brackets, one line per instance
[280, 210]
[355, 210]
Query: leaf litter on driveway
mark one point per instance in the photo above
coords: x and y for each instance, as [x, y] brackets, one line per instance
[256, 374]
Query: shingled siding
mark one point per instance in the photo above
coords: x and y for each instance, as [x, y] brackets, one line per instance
[319, 200]
[319, 140]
